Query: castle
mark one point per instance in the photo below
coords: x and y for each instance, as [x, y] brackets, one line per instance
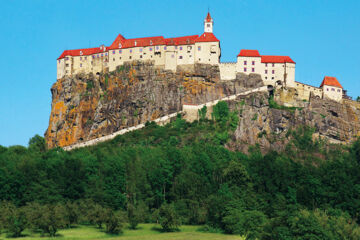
[168, 53]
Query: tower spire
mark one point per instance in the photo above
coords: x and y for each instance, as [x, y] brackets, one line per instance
[208, 23]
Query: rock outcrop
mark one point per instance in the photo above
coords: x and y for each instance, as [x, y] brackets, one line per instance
[267, 126]
[89, 106]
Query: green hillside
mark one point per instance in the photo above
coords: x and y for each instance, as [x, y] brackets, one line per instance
[182, 174]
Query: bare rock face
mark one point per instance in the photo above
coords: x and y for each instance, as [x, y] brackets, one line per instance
[267, 126]
[88, 106]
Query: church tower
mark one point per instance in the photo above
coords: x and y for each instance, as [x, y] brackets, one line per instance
[208, 24]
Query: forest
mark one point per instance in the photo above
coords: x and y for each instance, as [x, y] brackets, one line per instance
[182, 173]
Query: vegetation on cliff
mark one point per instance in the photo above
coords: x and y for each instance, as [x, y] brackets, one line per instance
[182, 173]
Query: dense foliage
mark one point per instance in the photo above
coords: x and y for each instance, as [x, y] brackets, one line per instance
[182, 173]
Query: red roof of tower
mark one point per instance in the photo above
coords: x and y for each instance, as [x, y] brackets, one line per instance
[276, 59]
[207, 37]
[249, 53]
[331, 81]
[208, 18]
[181, 40]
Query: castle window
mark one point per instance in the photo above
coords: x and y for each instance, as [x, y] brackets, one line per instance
[265, 64]
[140, 56]
[120, 51]
[157, 47]
[130, 50]
[140, 49]
[80, 58]
[189, 48]
[273, 64]
[245, 69]
[130, 57]
[180, 48]
[208, 25]
[245, 62]
[150, 49]
[85, 58]
[120, 58]
[333, 89]
[120, 45]
[272, 78]
[199, 49]
[273, 71]
[80, 64]
[113, 51]
[327, 89]
[93, 56]
[105, 54]
[265, 77]
[67, 65]
[253, 62]
[113, 59]
[98, 56]
[338, 90]
[175, 47]
[66, 58]
[266, 71]
[253, 69]
[165, 48]
[180, 57]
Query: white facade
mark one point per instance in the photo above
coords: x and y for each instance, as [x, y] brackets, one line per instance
[166, 53]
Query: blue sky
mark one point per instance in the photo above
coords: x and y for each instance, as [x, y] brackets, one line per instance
[321, 36]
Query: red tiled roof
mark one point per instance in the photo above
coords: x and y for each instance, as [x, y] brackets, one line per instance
[249, 53]
[331, 81]
[119, 39]
[207, 37]
[276, 59]
[181, 40]
[82, 52]
[208, 18]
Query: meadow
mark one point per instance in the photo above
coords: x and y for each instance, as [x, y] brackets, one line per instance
[143, 232]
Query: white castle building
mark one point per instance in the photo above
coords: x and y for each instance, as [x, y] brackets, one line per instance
[168, 53]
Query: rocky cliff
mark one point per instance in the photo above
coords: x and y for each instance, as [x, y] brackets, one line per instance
[267, 123]
[89, 106]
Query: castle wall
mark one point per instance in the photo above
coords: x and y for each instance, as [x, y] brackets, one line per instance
[227, 71]
[305, 90]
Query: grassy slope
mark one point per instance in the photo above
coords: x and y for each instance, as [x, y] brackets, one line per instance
[144, 232]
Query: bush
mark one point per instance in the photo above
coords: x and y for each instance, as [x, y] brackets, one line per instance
[168, 218]
[135, 216]
[47, 218]
[114, 221]
[221, 111]
[12, 219]
[249, 223]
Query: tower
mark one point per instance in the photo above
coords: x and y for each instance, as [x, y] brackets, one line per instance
[208, 24]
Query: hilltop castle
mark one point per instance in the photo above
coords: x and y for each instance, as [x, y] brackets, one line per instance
[168, 53]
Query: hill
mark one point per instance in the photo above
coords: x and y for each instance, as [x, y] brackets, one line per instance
[308, 189]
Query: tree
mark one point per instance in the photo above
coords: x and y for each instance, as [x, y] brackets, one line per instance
[37, 143]
[12, 219]
[48, 218]
[135, 216]
[97, 214]
[114, 221]
[168, 218]
[221, 111]
[202, 113]
[249, 223]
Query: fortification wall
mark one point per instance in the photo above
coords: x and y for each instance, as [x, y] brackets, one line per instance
[227, 70]
[304, 91]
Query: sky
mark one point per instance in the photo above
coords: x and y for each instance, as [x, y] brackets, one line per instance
[321, 36]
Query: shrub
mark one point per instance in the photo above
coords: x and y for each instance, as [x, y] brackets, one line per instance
[168, 218]
[114, 221]
[12, 219]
